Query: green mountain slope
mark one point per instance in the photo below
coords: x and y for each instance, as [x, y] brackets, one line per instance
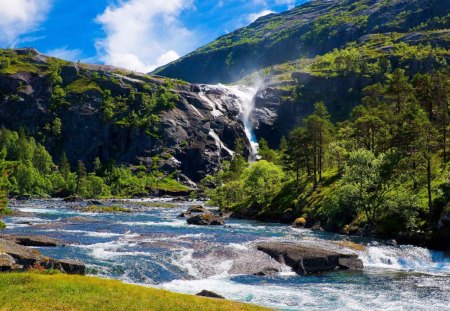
[311, 29]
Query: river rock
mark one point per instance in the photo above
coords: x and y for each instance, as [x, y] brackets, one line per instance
[23, 197]
[299, 223]
[73, 198]
[307, 259]
[72, 266]
[207, 293]
[185, 214]
[206, 220]
[351, 264]
[267, 272]
[6, 262]
[29, 258]
[197, 209]
[225, 214]
[34, 240]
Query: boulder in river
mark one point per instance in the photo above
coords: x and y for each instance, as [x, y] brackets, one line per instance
[307, 259]
[28, 258]
[299, 222]
[207, 293]
[267, 272]
[206, 220]
[73, 198]
[34, 240]
[197, 209]
[72, 266]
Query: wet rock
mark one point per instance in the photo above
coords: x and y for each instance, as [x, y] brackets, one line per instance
[34, 240]
[225, 214]
[299, 223]
[350, 264]
[79, 220]
[26, 258]
[267, 272]
[94, 202]
[23, 197]
[197, 209]
[72, 266]
[21, 214]
[206, 220]
[207, 293]
[317, 227]
[184, 215]
[306, 259]
[6, 262]
[73, 198]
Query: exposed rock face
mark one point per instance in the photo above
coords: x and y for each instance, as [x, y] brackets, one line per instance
[305, 259]
[34, 240]
[25, 258]
[207, 293]
[206, 219]
[192, 138]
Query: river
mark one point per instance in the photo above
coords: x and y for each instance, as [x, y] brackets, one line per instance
[152, 247]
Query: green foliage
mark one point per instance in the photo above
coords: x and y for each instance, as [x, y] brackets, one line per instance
[383, 169]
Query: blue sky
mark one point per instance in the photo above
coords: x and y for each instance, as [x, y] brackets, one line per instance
[135, 34]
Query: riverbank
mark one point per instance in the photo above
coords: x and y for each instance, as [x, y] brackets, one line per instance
[32, 291]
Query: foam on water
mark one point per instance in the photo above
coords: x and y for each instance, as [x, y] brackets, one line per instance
[405, 257]
[156, 248]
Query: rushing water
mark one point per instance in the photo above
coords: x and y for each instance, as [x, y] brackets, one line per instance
[155, 248]
[246, 96]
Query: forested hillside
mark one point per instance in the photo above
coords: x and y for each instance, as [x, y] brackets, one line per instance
[314, 28]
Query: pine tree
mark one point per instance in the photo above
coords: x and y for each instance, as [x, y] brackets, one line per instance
[81, 178]
[398, 90]
[64, 166]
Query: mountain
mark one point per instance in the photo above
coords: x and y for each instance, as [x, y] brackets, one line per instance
[311, 29]
[118, 116]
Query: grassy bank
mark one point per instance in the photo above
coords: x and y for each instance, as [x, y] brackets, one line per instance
[30, 291]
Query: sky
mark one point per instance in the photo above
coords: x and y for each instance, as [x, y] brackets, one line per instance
[140, 35]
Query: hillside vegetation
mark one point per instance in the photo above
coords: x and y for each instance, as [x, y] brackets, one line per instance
[311, 29]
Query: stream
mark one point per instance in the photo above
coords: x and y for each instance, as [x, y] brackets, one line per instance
[153, 247]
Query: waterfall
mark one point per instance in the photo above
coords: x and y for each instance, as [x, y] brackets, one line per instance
[246, 101]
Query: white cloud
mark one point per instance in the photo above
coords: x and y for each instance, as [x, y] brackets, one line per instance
[144, 34]
[18, 17]
[289, 3]
[253, 17]
[65, 53]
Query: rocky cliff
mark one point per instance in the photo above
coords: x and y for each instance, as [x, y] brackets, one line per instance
[121, 117]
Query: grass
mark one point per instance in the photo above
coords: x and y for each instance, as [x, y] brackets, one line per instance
[82, 85]
[106, 209]
[32, 291]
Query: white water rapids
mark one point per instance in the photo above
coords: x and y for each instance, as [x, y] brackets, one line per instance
[153, 247]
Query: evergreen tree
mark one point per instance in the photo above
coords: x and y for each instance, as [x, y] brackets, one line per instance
[398, 90]
[64, 166]
[81, 178]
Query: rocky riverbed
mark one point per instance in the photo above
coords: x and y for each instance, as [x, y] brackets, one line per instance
[268, 264]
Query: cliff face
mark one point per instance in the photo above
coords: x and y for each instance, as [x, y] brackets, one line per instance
[90, 111]
[311, 29]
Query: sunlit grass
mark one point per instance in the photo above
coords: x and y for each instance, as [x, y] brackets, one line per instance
[32, 291]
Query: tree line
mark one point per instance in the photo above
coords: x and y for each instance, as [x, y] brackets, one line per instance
[385, 168]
